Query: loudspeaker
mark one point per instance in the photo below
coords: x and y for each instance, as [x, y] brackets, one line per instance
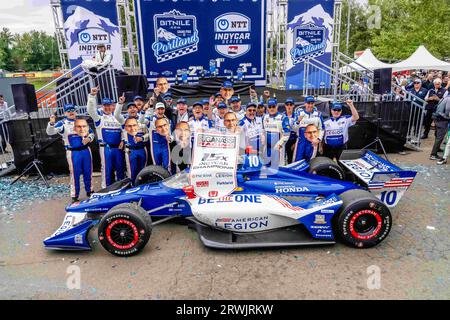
[382, 81]
[132, 86]
[24, 96]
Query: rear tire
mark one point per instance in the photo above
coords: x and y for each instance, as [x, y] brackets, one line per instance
[151, 174]
[125, 229]
[363, 221]
[326, 167]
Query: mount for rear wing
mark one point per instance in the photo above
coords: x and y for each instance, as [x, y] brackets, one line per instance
[384, 179]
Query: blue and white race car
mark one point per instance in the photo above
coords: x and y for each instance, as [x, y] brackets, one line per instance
[296, 205]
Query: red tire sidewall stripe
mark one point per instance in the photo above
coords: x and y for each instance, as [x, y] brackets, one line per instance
[127, 222]
[374, 233]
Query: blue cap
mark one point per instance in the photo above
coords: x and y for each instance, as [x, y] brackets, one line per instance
[205, 101]
[261, 104]
[250, 104]
[107, 101]
[289, 100]
[235, 99]
[272, 102]
[181, 100]
[218, 94]
[197, 103]
[131, 104]
[227, 85]
[310, 99]
[167, 95]
[336, 105]
[138, 98]
[69, 107]
[221, 105]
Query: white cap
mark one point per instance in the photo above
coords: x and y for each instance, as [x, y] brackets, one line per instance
[160, 105]
[437, 80]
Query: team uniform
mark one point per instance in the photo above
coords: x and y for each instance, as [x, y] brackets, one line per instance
[292, 137]
[277, 131]
[78, 155]
[336, 135]
[109, 133]
[239, 114]
[159, 146]
[314, 117]
[251, 133]
[135, 152]
[219, 125]
[199, 124]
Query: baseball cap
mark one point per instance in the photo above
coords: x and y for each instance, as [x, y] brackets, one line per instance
[417, 81]
[131, 104]
[107, 101]
[167, 96]
[197, 103]
[205, 101]
[221, 105]
[261, 104]
[227, 85]
[289, 100]
[218, 94]
[336, 106]
[181, 100]
[310, 99]
[160, 105]
[69, 107]
[250, 104]
[272, 102]
[138, 98]
[235, 99]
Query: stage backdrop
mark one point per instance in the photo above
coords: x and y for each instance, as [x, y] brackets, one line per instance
[88, 23]
[187, 34]
[309, 34]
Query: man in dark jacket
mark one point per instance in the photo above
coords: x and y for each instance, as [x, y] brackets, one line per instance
[433, 98]
[441, 120]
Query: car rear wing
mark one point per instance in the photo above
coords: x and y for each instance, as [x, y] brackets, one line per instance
[384, 179]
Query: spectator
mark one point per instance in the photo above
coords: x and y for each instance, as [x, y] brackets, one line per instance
[441, 120]
[3, 115]
[418, 91]
[447, 149]
[433, 97]
[428, 83]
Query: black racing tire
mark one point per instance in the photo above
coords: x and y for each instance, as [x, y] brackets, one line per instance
[125, 229]
[151, 174]
[326, 167]
[363, 221]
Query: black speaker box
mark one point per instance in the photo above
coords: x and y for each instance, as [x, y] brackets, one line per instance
[24, 96]
[132, 86]
[382, 81]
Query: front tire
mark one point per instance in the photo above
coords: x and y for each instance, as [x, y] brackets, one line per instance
[151, 174]
[363, 221]
[125, 230]
[326, 167]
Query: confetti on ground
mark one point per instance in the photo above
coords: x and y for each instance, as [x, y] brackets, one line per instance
[431, 228]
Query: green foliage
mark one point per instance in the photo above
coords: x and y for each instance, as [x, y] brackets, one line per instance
[405, 25]
[31, 51]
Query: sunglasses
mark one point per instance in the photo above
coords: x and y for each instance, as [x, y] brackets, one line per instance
[337, 110]
[271, 107]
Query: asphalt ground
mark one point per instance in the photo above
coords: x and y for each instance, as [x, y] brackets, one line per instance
[412, 263]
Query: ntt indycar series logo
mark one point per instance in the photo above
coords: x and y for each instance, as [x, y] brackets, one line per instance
[176, 35]
[310, 41]
[232, 34]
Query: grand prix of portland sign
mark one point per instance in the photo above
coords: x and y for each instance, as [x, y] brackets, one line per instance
[310, 41]
[213, 169]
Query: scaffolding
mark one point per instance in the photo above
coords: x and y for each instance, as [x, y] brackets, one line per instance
[59, 34]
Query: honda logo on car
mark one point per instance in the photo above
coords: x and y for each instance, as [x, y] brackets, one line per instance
[243, 223]
[290, 189]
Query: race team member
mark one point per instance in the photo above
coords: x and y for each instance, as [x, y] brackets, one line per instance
[309, 148]
[433, 97]
[181, 149]
[336, 130]
[207, 106]
[77, 153]
[132, 111]
[308, 115]
[260, 111]
[277, 130]
[292, 116]
[134, 136]
[160, 140]
[181, 114]
[109, 134]
[199, 121]
[235, 104]
[222, 109]
[159, 114]
[226, 91]
[252, 130]
[169, 101]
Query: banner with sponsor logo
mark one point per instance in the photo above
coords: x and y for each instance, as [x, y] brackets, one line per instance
[309, 34]
[196, 35]
[88, 23]
[214, 165]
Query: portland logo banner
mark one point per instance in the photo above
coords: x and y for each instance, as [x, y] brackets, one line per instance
[214, 165]
[310, 41]
[176, 35]
[232, 34]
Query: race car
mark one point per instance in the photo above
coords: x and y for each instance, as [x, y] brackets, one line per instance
[299, 204]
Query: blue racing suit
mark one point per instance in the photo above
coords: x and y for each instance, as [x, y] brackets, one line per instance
[305, 151]
[135, 153]
[292, 137]
[277, 131]
[307, 118]
[109, 132]
[159, 146]
[78, 155]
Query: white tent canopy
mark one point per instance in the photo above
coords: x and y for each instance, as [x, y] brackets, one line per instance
[421, 59]
[366, 60]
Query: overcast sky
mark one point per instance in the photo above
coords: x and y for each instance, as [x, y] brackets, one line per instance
[25, 15]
